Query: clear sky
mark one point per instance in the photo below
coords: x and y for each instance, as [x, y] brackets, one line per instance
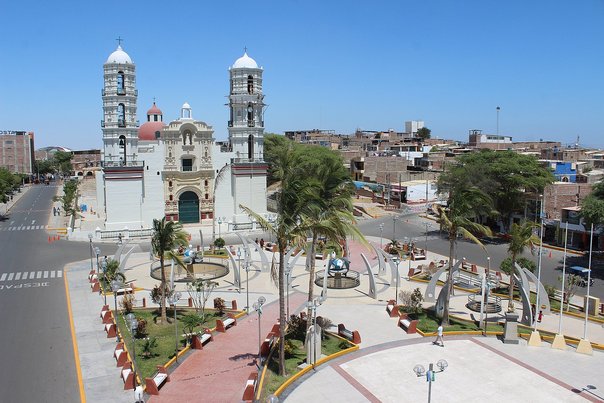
[337, 65]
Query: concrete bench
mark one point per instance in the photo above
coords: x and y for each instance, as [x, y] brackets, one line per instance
[92, 276]
[229, 305]
[120, 354]
[352, 335]
[111, 330]
[125, 290]
[267, 344]
[223, 324]
[127, 375]
[199, 340]
[106, 315]
[95, 286]
[392, 309]
[154, 383]
[250, 387]
[409, 326]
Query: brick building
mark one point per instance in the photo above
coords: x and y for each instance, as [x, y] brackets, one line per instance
[17, 151]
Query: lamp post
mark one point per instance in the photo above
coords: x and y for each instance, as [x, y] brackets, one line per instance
[498, 109]
[421, 371]
[132, 323]
[381, 233]
[587, 303]
[313, 305]
[115, 286]
[563, 278]
[90, 240]
[239, 267]
[173, 300]
[538, 301]
[426, 244]
[258, 308]
[393, 227]
[247, 287]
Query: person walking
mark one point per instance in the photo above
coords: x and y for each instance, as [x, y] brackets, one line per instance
[540, 316]
[439, 336]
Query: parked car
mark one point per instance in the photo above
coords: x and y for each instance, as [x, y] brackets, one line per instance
[583, 273]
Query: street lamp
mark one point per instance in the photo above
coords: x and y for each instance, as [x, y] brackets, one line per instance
[381, 232]
[239, 267]
[173, 300]
[537, 300]
[313, 305]
[132, 323]
[258, 308]
[115, 286]
[426, 245]
[394, 227]
[421, 371]
[247, 286]
[90, 240]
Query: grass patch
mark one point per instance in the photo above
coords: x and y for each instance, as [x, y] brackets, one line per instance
[428, 323]
[330, 345]
[164, 334]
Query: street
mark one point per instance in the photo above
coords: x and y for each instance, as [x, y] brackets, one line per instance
[413, 227]
[35, 342]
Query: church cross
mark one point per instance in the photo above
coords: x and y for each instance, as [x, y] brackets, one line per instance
[119, 41]
[245, 49]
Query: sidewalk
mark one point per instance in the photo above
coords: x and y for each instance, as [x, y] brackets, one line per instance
[101, 376]
[6, 207]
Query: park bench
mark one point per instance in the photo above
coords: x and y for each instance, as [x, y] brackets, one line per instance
[125, 290]
[154, 383]
[267, 344]
[111, 330]
[409, 326]
[92, 276]
[199, 340]
[392, 309]
[352, 335]
[127, 375]
[228, 305]
[95, 286]
[226, 322]
[418, 254]
[120, 354]
[250, 387]
[106, 315]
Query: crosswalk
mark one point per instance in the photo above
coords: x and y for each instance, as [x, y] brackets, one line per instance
[24, 228]
[30, 275]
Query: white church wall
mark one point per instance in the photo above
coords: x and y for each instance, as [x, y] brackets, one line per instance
[152, 153]
[224, 199]
[124, 204]
[100, 190]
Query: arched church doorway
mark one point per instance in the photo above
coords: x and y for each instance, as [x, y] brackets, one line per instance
[188, 208]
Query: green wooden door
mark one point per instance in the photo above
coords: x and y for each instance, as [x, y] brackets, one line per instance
[188, 208]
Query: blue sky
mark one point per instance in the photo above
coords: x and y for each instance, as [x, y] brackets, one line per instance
[337, 65]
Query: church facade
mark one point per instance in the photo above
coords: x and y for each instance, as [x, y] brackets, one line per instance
[177, 170]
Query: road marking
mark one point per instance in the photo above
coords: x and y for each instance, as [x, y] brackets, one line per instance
[76, 355]
[17, 276]
[52, 274]
[39, 274]
[10, 277]
[32, 275]
[28, 227]
[45, 273]
[33, 221]
[59, 273]
[12, 222]
[3, 277]
[25, 274]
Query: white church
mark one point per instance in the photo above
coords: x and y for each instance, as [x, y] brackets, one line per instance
[177, 170]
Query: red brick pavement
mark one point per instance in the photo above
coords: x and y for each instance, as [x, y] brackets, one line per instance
[218, 373]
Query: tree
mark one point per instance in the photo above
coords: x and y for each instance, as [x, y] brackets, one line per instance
[465, 203]
[274, 146]
[507, 177]
[424, 133]
[167, 236]
[112, 272]
[287, 229]
[200, 290]
[573, 281]
[592, 207]
[62, 162]
[521, 237]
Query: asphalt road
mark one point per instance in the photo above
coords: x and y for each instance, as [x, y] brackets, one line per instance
[36, 349]
[414, 227]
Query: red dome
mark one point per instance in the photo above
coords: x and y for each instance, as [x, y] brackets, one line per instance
[148, 129]
[154, 110]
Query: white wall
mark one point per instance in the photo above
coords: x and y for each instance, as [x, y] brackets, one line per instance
[152, 152]
[417, 193]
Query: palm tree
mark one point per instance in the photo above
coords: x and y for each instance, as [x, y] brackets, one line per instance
[288, 229]
[112, 273]
[464, 205]
[329, 213]
[521, 237]
[167, 236]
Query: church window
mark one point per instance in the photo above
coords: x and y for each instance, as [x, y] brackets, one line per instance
[250, 146]
[121, 89]
[184, 138]
[171, 197]
[205, 152]
[250, 115]
[121, 115]
[250, 84]
[205, 182]
[155, 117]
[187, 164]
[170, 184]
[207, 196]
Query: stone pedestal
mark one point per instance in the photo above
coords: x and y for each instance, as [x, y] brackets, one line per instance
[313, 344]
[559, 342]
[591, 305]
[584, 347]
[510, 331]
[535, 339]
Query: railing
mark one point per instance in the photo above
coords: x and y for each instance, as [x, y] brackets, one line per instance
[125, 233]
[491, 305]
[246, 160]
[116, 164]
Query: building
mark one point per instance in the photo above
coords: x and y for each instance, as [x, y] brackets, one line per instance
[17, 151]
[491, 141]
[412, 126]
[177, 170]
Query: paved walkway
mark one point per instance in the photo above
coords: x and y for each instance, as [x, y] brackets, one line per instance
[101, 376]
[218, 373]
[475, 371]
